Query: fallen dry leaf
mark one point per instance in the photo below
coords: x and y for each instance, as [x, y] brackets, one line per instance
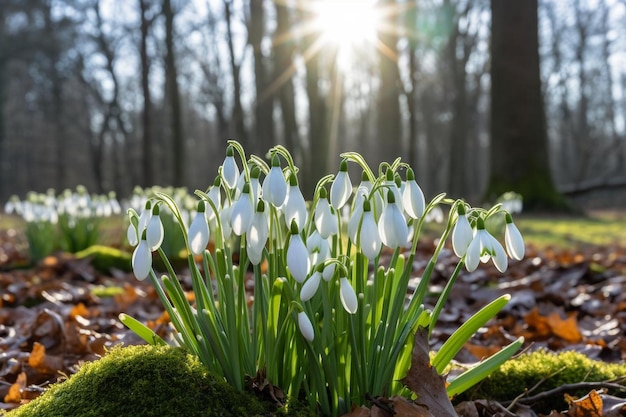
[15, 391]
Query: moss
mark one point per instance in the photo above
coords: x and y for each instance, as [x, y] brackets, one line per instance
[516, 376]
[103, 258]
[145, 381]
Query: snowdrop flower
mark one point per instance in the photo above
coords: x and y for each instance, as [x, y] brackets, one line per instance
[295, 206]
[225, 215]
[318, 248]
[369, 236]
[347, 296]
[462, 234]
[329, 271]
[392, 227]
[131, 235]
[513, 239]
[483, 247]
[243, 211]
[154, 230]
[392, 186]
[413, 197]
[311, 285]
[257, 234]
[230, 170]
[144, 217]
[353, 224]
[199, 233]
[325, 221]
[341, 188]
[215, 196]
[274, 186]
[306, 328]
[142, 259]
[297, 255]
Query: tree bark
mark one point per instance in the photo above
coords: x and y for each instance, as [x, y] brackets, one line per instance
[238, 115]
[389, 138]
[173, 95]
[146, 116]
[519, 142]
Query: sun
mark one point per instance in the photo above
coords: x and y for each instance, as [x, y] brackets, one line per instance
[348, 24]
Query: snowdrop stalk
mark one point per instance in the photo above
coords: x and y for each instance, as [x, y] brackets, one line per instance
[339, 330]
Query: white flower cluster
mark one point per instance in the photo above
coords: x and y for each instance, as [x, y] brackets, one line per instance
[48, 207]
[378, 211]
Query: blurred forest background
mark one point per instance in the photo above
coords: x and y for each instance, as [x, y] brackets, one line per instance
[116, 93]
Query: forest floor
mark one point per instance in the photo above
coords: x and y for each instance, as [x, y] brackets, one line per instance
[569, 294]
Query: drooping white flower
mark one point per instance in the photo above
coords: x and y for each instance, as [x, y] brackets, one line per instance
[325, 221]
[131, 235]
[462, 234]
[347, 296]
[144, 217]
[513, 239]
[369, 235]
[215, 196]
[391, 185]
[318, 248]
[311, 285]
[329, 271]
[306, 328]
[230, 170]
[225, 215]
[255, 184]
[413, 197]
[484, 247]
[295, 206]
[392, 226]
[257, 234]
[355, 219]
[274, 186]
[199, 232]
[341, 188]
[297, 255]
[243, 212]
[154, 230]
[142, 259]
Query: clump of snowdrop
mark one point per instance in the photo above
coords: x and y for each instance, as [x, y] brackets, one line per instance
[331, 314]
[68, 221]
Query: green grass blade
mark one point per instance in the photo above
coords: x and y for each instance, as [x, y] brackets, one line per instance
[142, 330]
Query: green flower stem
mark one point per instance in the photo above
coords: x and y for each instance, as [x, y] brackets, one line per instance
[444, 296]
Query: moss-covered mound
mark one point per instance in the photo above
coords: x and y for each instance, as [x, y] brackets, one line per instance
[516, 376]
[104, 258]
[144, 381]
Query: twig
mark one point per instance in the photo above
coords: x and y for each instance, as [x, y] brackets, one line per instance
[534, 387]
[571, 387]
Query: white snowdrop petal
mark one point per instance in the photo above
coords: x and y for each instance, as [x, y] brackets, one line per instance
[498, 255]
[310, 287]
[230, 172]
[295, 207]
[131, 235]
[306, 328]
[198, 234]
[462, 235]
[328, 272]
[242, 214]
[275, 187]
[472, 256]
[370, 237]
[347, 296]
[340, 190]
[514, 242]
[413, 200]
[392, 227]
[142, 260]
[154, 232]
[297, 258]
[325, 222]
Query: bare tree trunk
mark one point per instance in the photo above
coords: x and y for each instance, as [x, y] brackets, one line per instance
[238, 116]
[389, 121]
[283, 70]
[519, 142]
[173, 94]
[146, 117]
[264, 106]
